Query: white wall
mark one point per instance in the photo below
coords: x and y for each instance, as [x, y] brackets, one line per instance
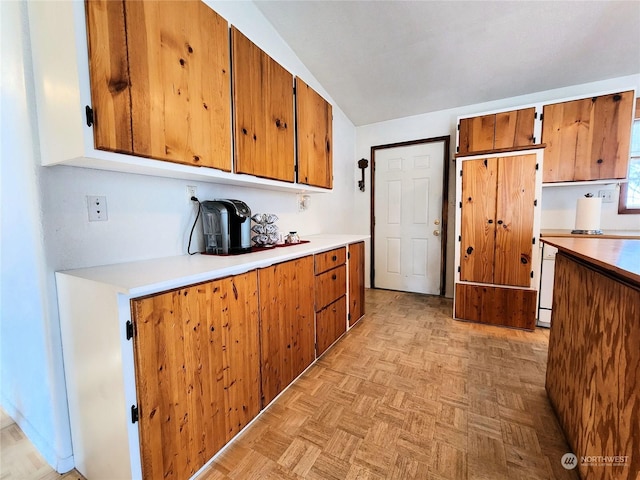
[558, 203]
[45, 224]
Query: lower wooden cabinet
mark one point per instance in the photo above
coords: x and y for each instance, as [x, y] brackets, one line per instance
[286, 323]
[356, 282]
[331, 324]
[197, 371]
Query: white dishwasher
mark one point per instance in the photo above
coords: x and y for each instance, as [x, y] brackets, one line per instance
[546, 285]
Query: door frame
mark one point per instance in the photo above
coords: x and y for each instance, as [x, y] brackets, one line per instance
[445, 203]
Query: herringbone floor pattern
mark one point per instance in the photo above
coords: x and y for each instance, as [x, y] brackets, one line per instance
[410, 393]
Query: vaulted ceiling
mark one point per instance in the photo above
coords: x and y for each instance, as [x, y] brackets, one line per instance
[381, 60]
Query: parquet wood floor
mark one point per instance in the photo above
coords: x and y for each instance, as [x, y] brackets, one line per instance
[410, 393]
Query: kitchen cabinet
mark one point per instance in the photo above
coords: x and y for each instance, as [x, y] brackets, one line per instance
[263, 112]
[497, 225]
[314, 137]
[355, 258]
[197, 372]
[587, 139]
[287, 330]
[160, 81]
[330, 297]
[496, 131]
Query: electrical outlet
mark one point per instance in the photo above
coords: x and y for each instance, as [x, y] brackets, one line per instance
[608, 196]
[192, 191]
[97, 206]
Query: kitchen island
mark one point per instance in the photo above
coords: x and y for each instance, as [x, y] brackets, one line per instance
[593, 369]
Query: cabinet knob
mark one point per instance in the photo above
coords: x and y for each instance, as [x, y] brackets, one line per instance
[600, 161]
[490, 221]
[499, 222]
[334, 258]
[334, 276]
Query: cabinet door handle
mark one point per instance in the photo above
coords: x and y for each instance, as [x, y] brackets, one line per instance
[334, 276]
[499, 222]
[334, 258]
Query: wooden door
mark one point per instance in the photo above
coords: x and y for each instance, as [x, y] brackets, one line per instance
[407, 211]
[356, 282]
[514, 220]
[197, 372]
[314, 123]
[263, 112]
[286, 323]
[331, 324]
[476, 134]
[478, 220]
[515, 128]
[160, 81]
[587, 139]
[109, 75]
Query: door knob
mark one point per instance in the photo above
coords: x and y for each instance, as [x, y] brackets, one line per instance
[436, 222]
[436, 233]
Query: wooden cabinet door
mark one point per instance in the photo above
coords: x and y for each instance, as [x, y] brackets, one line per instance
[476, 134]
[286, 323]
[496, 131]
[330, 286]
[514, 220]
[314, 123]
[587, 139]
[197, 372]
[160, 80]
[478, 227]
[356, 282]
[263, 112]
[331, 323]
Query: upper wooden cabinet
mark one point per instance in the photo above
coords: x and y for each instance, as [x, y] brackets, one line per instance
[160, 80]
[263, 112]
[496, 131]
[587, 139]
[314, 122]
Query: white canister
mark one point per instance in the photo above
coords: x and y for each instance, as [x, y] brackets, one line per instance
[588, 212]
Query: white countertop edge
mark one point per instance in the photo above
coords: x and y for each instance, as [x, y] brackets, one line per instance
[146, 277]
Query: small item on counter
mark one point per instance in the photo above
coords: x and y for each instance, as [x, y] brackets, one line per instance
[293, 237]
[588, 213]
[266, 229]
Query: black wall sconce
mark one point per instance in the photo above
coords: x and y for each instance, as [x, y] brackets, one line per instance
[362, 164]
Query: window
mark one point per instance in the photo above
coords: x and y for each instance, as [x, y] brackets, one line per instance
[630, 192]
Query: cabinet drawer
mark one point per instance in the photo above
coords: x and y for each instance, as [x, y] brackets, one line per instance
[327, 260]
[331, 323]
[330, 286]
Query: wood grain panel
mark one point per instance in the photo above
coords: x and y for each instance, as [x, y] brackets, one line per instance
[356, 282]
[479, 181]
[331, 323]
[511, 307]
[287, 331]
[593, 369]
[314, 137]
[330, 286]
[476, 134]
[611, 127]
[514, 128]
[566, 133]
[263, 113]
[109, 75]
[327, 260]
[179, 66]
[197, 372]
[514, 220]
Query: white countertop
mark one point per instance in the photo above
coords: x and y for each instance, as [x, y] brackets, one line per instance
[155, 275]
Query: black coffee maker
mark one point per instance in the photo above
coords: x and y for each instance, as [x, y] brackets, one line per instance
[227, 227]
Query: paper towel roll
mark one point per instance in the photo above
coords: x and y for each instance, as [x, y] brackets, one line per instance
[588, 212]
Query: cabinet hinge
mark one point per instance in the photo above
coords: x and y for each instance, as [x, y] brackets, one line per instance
[89, 112]
[348, 255]
[294, 89]
[457, 149]
[348, 316]
[129, 327]
[458, 127]
[134, 414]
[534, 140]
[537, 164]
[458, 268]
[541, 116]
[460, 172]
[535, 202]
[531, 273]
[460, 204]
[533, 241]
[459, 238]
[535, 115]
